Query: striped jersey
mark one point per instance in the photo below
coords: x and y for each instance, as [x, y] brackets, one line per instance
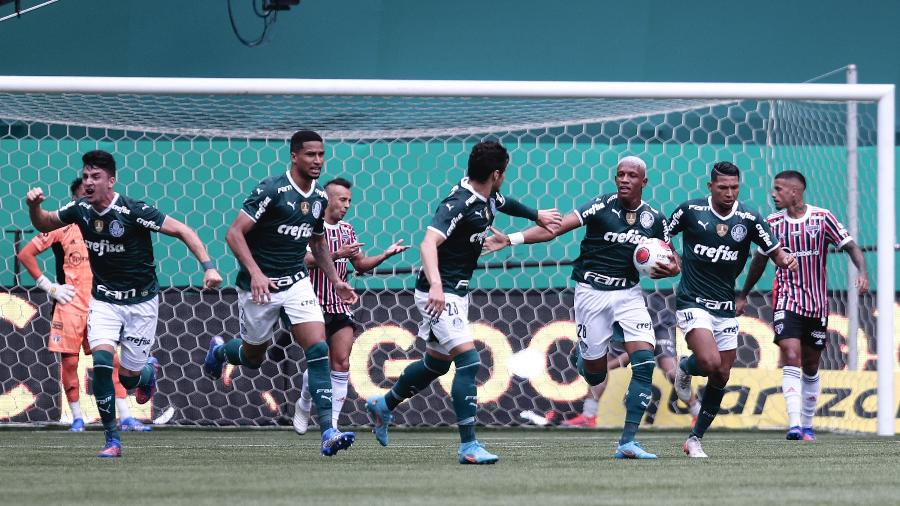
[335, 236]
[806, 238]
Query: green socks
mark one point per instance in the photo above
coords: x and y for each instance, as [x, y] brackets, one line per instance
[130, 382]
[415, 378]
[689, 365]
[593, 378]
[105, 392]
[319, 374]
[709, 408]
[233, 353]
[639, 393]
[465, 393]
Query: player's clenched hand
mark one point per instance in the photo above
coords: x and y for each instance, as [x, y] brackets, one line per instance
[212, 279]
[395, 248]
[259, 288]
[549, 219]
[862, 283]
[34, 197]
[739, 303]
[494, 242]
[348, 250]
[346, 292]
[436, 302]
[789, 262]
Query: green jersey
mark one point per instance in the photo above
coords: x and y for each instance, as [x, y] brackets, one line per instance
[119, 247]
[463, 219]
[613, 232]
[715, 250]
[284, 219]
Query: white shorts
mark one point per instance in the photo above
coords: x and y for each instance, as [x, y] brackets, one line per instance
[725, 330]
[597, 310]
[450, 329]
[258, 321]
[133, 326]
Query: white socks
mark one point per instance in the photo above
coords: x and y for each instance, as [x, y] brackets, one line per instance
[339, 382]
[76, 410]
[590, 407]
[790, 388]
[810, 398]
[122, 409]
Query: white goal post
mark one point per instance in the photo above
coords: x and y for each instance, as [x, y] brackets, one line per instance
[881, 94]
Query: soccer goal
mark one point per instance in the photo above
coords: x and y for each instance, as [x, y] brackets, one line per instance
[196, 147]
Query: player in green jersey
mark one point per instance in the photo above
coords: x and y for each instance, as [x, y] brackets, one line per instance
[607, 290]
[124, 305]
[717, 232]
[450, 251]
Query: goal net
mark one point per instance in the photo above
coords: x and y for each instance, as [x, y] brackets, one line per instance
[197, 155]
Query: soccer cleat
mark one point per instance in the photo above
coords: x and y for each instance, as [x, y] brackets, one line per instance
[582, 421]
[632, 450]
[473, 452]
[143, 393]
[212, 366]
[301, 419]
[113, 449]
[809, 434]
[381, 417]
[692, 448]
[77, 425]
[334, 440]
[682, 384]
[132, 424]
[794, 434]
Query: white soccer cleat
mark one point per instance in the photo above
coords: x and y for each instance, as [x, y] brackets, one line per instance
[682, 383]
[692, 448]
[301, 419]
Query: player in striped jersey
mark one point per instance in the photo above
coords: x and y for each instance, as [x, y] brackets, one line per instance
[339, 323]
[801, 302]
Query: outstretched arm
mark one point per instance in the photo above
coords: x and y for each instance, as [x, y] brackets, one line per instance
[42, 220]
[499, 240]
[856, 256]
[363, 263]
[757, 268]
[175, 228]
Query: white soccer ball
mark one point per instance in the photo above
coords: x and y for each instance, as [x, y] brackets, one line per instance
[651, 253]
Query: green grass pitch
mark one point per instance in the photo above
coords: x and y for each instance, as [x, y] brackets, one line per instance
[537, 467]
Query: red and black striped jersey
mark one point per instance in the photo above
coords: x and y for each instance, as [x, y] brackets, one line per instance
[807, 239]
[336, 236]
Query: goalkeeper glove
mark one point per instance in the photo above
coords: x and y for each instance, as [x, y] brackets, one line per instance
[61, 293]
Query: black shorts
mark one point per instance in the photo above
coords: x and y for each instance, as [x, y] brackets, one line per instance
[810, 330]
[336, 321]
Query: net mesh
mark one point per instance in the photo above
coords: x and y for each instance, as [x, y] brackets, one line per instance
[196, 158]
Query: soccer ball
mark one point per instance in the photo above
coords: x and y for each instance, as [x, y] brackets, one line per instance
[650, 253]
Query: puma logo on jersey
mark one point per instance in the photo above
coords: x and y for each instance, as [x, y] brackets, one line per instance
[478, 213]
[449, 207]
[702, 224]
[618, 213]
[293, 205]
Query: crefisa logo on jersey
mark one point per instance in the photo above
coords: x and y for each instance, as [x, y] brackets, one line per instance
[739, 232]
[116, 229]
[647, 219]
[316, 209]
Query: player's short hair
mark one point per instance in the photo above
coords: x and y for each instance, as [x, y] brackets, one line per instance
[724, 169]
[340, 182]
[632, 161]
[101, 160]
[302, 136]
[486, 157]
[76, 184]
[792, 174]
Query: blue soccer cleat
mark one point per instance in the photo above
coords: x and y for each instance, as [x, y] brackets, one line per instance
[334, 440]
[809, 434]
[473, 452]
[794, 434]
[77, 425]
[113, 449]
[381, 417]
[632, 450]
[212, 366]
[144, 393]
[132, 424]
